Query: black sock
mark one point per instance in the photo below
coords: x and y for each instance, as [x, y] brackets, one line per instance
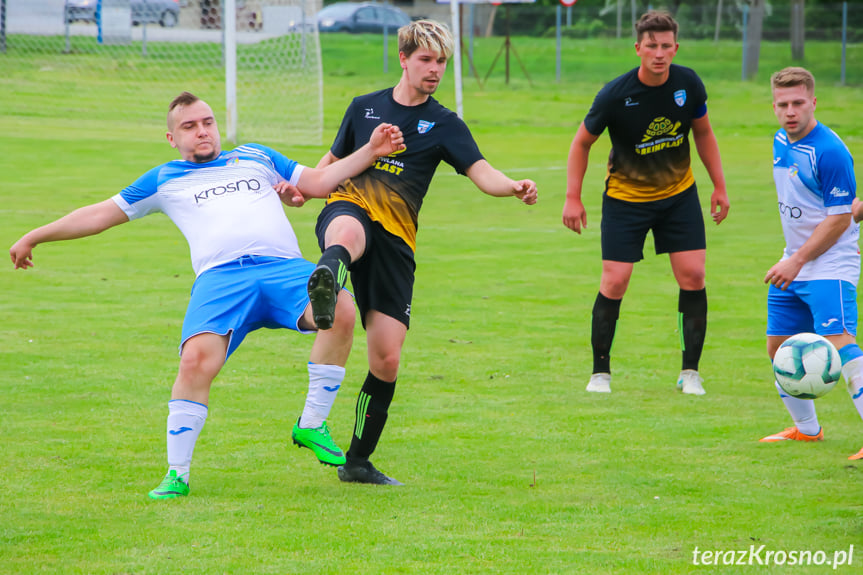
[337, 258]
[605, 314]
[692, 323]
[372, 406]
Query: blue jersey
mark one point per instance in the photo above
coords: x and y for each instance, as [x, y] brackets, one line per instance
[814, 179]
[226, 208]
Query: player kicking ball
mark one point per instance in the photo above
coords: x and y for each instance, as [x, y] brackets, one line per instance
[248, 266]
[369, 225]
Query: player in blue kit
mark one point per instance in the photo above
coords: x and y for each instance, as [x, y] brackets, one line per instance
[369, 225]
[249, 270]
[813, 288]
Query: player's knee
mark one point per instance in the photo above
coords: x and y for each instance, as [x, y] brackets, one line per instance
[385, 365]
[198, 361]
[346, 315]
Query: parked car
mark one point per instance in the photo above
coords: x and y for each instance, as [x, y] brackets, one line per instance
[358, 17]
[165, 12]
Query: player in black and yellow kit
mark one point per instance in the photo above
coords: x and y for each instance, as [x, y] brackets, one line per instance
[369, 225]
[649, 113]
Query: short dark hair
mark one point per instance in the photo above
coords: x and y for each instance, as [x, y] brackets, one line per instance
[655, 21]
[184, 99]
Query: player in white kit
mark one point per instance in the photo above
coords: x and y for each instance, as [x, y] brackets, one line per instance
[249, 270]
[814, 286]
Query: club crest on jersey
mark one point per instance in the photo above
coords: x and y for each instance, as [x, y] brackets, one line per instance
[680, 97]
[424, 126]
[232, 160]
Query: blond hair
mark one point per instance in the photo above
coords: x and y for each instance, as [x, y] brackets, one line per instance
[426, 34]
[791, 77]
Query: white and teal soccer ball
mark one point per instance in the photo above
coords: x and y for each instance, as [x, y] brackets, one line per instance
[807, 366]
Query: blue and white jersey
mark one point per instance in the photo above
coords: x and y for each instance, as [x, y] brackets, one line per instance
[815, 179]
[226, 208]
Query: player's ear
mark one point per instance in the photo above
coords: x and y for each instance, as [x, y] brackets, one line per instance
[170, 137]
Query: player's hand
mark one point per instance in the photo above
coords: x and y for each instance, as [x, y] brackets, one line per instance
[386, 139]
[719, 205]
[783, 273]
[289, 194]
[574, 215]
[525, 190]
[21, 253]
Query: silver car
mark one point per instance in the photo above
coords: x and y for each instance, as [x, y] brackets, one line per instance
[165, 12]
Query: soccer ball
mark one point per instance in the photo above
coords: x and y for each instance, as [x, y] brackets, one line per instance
[807, 366]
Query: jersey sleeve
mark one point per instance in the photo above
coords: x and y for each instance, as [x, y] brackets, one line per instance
[140, 198]
[344, 144]
[284, 167]
[836, 173]
[459, 148]
[597, 118]
[700, 95]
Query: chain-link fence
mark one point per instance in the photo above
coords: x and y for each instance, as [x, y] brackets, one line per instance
[97, 57]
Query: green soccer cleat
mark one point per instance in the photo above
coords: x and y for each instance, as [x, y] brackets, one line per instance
[171, 486]
[320, 442]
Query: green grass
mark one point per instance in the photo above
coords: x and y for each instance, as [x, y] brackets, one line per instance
[510, 467]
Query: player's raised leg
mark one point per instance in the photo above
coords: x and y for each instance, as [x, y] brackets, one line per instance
[344, 242]
[326, 373]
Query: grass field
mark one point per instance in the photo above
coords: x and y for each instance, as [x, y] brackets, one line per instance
[510, 466]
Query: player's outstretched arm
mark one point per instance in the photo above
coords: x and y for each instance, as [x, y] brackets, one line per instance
[319, 182]
[708, 151]
[87, 221]
[495, 183]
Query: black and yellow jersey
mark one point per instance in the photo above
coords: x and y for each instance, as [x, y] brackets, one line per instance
[649, 129]
[392, 190]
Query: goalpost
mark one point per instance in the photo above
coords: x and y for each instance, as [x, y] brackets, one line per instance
[256, 62]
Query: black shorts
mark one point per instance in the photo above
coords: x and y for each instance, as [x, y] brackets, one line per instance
[677, 224]
[383, 278]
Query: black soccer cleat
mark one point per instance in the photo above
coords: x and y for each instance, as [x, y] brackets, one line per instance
[323, 295]
[363, 471]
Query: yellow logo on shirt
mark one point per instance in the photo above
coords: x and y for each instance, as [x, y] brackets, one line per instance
[662, 133]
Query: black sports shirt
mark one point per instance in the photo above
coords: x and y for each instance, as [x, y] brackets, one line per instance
[392, 190]
[649, 129]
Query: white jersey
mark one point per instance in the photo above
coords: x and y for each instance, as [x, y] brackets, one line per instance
[815, 179]
[226, 208]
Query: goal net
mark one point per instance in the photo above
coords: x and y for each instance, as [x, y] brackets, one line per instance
[124, 60]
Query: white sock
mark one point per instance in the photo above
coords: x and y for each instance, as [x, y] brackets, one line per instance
[802, 412]
[185, 421]
[853, 373]
[324, 383]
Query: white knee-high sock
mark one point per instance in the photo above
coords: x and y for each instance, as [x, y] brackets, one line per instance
[853, 373]
[802, 412]
[324, 383]
[185, 421]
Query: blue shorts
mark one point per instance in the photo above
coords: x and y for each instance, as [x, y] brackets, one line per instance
[825, 307]
[246, 294]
